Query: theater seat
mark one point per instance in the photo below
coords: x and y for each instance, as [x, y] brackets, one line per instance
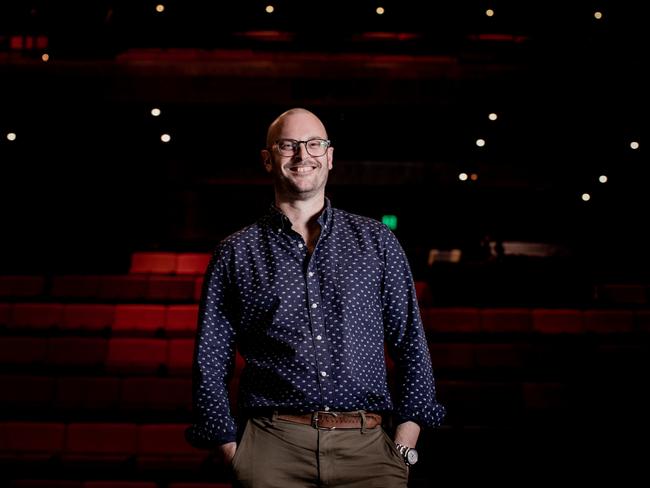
[21, 286]
[451, 320]
[87, 317]
[27, 316]
[192, 263]
[506, 320]
[162, 447]
[608, 321]
[170, 288]
[153, 262]
[26, 393]
[87, 394]
[99, 444]
[557, 321]
[139, 356]
[138, 319]
[181, 320]
[156, 396]
[31, 441]
[181, 353]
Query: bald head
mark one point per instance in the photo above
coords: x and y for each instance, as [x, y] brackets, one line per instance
[293, 116]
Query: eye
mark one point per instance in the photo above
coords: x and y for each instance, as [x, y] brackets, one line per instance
[315, 143]
[286, 145]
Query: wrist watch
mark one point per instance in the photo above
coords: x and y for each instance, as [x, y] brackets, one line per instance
[409, 454]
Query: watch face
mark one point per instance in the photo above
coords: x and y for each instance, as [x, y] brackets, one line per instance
[412, 456]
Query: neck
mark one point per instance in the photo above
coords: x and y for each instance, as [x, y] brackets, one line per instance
[301, 213]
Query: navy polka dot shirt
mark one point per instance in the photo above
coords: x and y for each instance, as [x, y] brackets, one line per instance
[312, 328]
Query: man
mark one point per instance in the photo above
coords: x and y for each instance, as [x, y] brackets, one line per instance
[311, 296]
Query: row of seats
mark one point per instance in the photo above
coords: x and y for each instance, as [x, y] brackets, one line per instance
[114, 355]
[173, 357]
[112, 444]
[103, 288]
[169, 399]
[77, 318]
[180, 263]
[181, 319]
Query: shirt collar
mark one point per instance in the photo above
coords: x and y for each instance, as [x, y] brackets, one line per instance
[279, 220]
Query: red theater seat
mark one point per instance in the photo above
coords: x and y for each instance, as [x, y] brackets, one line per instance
[26, 392]
[37, 441]
[22, 351]
[181, 353]
[5, 313]
[170, 288]
[163, 447]
[460, 319]
[423, 292]
[153, 262]
[138, 319]
[557, 321]
[154, 395]
[516, 320]
[36, 315]
[181, 320]
[21, 286]
[77, 351]
[198, 288]
[76, 286]
[87, 394]
[128, 355]
[452, 356]
[608, 321]
[105, 443]
[192, 263]
[88, 317]
[123, 288]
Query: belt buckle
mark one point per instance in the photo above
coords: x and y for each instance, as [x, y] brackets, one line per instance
[315, 418]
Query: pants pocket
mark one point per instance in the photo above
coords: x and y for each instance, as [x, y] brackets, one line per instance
[241, 446]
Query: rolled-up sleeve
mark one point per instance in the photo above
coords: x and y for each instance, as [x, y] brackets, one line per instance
[214, 354]
[406, 341]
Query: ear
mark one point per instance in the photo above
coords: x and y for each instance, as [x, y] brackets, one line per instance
[266, 160]
[330, 157]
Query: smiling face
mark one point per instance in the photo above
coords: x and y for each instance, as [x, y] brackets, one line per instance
[298, 176]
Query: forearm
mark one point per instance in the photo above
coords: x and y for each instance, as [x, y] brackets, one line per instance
[407, 434]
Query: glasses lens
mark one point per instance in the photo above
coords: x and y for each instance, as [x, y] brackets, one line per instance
[315, 147]
[287, 147]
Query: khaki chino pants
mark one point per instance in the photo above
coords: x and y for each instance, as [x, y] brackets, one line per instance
[276, 453]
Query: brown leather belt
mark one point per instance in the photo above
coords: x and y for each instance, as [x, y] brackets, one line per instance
[334, 420]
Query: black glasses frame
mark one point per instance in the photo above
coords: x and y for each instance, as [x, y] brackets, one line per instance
[325, 144]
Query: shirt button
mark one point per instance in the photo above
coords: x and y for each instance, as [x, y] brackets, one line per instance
[326, 408]
[279, 230]
[311, 273]
[319, 337]
[323, 374]
[299, 246]
[314, 305]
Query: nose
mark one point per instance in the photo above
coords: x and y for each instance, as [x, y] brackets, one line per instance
[301, 151]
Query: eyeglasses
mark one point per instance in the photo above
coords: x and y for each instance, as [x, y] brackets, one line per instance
[315, 147]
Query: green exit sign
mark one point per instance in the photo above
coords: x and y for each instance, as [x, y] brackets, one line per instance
[390, 221]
